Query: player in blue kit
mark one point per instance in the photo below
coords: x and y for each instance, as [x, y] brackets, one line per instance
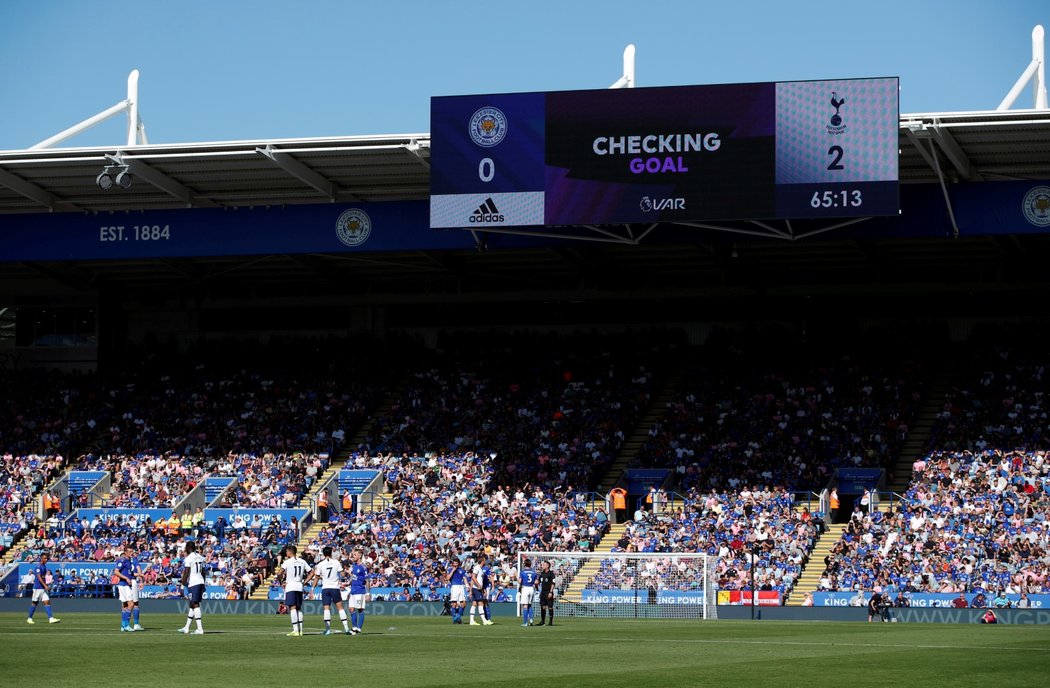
[40, 591]
[457, 582]
[358, 594]
[526, 592]
[136, 588]
[125, 573]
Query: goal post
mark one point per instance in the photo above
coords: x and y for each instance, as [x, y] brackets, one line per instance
[630, 585]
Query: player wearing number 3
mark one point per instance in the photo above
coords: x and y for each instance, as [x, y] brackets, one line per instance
[294, 571]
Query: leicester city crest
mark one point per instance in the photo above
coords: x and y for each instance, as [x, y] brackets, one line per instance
[1036, 206]
[353, 227]
[488, 126]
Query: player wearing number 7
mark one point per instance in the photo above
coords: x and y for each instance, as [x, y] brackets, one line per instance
[294, 572]
[329, 571]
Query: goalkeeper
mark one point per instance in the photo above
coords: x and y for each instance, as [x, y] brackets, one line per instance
[546, 581]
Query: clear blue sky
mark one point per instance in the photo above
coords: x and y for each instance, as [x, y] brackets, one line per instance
[236, 70]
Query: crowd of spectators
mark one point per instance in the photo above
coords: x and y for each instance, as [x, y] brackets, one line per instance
[446, 507]
[740, 419]
[552, 409]
[999, 401]
[162, 480]
[971, 521]
[214, 413]
[238, 557]
[45, 417]
[757, 535]
[46, 413]
[976, 516]
[22, 479]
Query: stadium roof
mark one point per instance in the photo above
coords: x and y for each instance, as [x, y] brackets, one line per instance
[223, 174]
[975, 146]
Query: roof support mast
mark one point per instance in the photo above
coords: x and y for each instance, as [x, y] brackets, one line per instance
[130, 105]
[627, 80]
[1035, 72]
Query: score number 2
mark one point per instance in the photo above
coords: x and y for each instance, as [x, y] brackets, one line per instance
[836, 153]
[486, 170]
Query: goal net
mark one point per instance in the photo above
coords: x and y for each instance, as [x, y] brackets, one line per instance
[630, 585]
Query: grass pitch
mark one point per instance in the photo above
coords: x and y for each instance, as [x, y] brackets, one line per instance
[88, 650]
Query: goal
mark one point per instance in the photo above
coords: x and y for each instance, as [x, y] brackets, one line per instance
[631, 585]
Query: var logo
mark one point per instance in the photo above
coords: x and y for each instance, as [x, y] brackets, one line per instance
[649, 205]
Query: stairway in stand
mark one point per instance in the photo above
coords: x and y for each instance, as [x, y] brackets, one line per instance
[18, 545]
[920, 429]
[634, 442]
[574, 593]
[262, 592]
[338, 463]
[809, 578]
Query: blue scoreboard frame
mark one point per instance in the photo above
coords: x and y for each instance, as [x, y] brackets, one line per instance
[803, 149]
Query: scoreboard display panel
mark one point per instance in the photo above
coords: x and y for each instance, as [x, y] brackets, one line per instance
[775, 150]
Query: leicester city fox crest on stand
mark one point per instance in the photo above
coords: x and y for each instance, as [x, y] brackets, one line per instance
[488, 126]
[353, 227]
[1036, 206]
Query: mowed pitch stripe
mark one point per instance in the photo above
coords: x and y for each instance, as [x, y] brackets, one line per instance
[92, 629]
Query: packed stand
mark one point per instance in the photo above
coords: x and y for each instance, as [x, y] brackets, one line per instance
[970, 522]
[174, 417]
[22, 479]
[552, 409]
[740, 420]
[1001, 402]
[238, 555]
[446, 507]
[739, 526]
[46, 415]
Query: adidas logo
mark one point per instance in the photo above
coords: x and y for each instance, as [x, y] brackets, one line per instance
[486, 212]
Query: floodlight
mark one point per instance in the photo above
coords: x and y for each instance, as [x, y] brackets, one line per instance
[104, 181]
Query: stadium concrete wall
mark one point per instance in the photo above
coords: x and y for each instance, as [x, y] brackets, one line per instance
[313, 608]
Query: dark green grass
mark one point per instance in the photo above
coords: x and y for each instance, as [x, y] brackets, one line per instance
[88, 650]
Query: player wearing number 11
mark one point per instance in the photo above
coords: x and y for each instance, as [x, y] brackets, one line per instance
[294, 571]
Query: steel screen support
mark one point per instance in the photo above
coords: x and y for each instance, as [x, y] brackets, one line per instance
[627, 80]
[130, 105]
[1035, 72]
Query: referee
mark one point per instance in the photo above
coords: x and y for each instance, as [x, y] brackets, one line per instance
[546, 581]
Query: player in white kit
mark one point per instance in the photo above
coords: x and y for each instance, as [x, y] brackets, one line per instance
[329, 572]
[294, 571]
[193, 581]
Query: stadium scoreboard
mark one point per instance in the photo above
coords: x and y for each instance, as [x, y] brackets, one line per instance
[797, 149]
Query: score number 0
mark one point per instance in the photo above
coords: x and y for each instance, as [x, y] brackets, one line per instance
[486, 170]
